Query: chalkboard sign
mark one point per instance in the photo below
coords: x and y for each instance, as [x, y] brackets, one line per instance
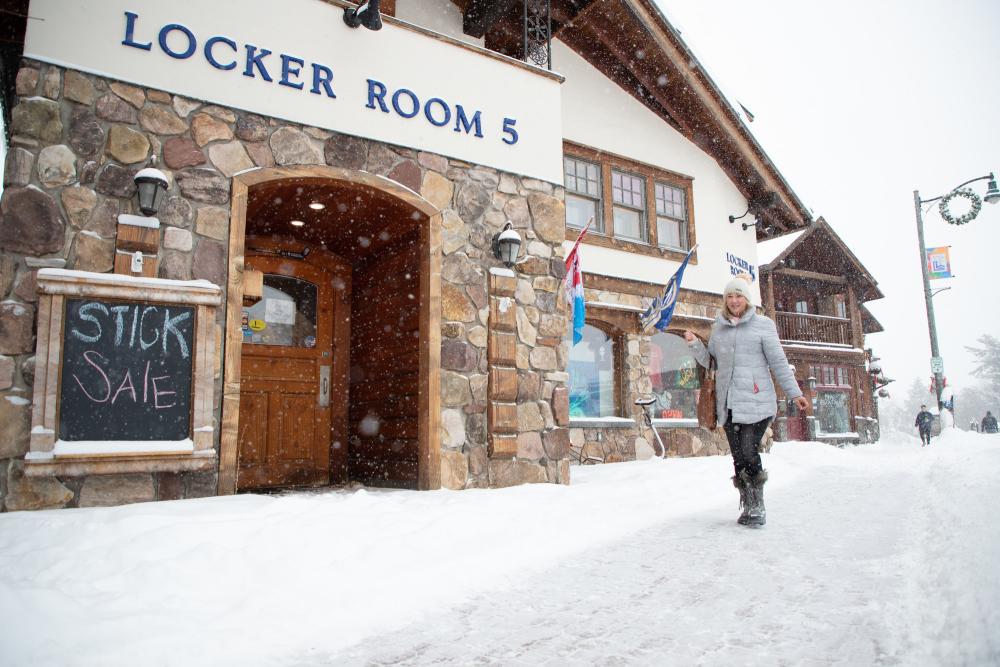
[126, 371]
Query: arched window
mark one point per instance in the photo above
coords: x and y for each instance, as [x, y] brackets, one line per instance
[592, 375]
[674, 374]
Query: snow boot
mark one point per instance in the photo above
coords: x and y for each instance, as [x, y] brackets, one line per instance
[756, 515]
[742, 487]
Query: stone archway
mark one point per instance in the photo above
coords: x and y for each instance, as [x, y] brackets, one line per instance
[429, 461]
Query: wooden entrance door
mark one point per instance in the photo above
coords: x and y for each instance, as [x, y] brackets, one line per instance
[797, 429]
[292, 403]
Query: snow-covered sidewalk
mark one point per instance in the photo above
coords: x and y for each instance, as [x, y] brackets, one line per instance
[876, 554]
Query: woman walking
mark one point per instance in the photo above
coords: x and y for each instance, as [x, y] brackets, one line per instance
[746, 349]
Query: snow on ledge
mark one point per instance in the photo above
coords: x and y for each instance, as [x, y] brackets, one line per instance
[120, 447]
[497, 271]
[601, 422]
[119, 279]
[138, 221]
[675, 423]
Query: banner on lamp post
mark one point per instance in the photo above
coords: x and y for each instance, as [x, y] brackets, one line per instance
[938, 262]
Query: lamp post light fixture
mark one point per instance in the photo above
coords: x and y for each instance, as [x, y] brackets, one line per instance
[992, 196]
[152, 185]
[506, 245]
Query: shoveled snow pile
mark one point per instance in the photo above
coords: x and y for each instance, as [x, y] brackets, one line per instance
[879, 553]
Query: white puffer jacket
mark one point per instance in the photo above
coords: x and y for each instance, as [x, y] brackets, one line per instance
[746, 353]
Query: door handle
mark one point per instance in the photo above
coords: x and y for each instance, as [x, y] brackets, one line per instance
[324, 386]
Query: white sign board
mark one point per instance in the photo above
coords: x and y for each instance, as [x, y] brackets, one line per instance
[297, 60]
[937, 365]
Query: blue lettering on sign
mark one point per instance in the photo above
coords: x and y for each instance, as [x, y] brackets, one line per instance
[445, 109]
[462, 121]
[210, 55]
[414, 103]
[739, 265]
[222, 53]
[192, 43]
[254, 60]
[129, 40]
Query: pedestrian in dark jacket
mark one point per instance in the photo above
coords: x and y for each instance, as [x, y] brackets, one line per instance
[746, 350]
[989, 423]
[923, 424]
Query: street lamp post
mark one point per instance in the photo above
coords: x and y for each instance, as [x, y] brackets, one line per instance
[992, 196]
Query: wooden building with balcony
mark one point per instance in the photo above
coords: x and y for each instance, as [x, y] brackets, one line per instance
[815, 290]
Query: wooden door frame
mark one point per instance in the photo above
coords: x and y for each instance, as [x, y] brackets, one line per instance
[429, 398]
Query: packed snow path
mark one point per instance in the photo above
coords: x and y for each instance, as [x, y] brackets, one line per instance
[890, 564]
[881, 554]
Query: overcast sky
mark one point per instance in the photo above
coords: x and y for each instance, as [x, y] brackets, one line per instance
[859, 103]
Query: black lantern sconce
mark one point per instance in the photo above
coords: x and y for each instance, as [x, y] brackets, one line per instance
[506, 244]
[152, 185]
[365, 14]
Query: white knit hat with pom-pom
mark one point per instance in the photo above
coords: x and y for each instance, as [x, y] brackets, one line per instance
[740, 284]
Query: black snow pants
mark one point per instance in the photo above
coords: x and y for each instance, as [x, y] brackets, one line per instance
[925, 436]
[744, 441]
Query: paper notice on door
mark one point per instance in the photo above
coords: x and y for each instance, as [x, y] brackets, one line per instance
[277, 311]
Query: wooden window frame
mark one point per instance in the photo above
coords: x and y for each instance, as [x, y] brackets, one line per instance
[651, 175]
[599, 224]
[818, 371]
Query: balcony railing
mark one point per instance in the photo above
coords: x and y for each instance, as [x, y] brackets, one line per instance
[813, 328]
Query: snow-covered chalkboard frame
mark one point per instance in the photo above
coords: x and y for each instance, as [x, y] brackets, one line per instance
[115, 322]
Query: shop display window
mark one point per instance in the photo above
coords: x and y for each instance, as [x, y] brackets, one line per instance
[592, 375]
[675, 378]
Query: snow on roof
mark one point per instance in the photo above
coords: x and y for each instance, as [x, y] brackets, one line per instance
[771, 248]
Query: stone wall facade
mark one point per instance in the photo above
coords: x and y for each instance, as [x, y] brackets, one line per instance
[77, 140]
[612, 443]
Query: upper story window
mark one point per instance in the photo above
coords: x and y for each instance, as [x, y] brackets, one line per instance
[592, 384]
[628, 194]
[802, 306]
[840, 308]
[671, 217]
[583, 194]
[636, 207]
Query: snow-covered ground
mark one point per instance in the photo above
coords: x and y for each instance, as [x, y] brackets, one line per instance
[882, 554]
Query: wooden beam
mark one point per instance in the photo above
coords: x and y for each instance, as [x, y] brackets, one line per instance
[480, 15]
[811, 275]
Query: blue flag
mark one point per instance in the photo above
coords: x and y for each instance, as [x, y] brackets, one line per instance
[661, 310]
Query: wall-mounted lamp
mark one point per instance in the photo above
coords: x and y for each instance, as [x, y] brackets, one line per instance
[506, 245]
[811, 381]
[152, 185]
[365, 14]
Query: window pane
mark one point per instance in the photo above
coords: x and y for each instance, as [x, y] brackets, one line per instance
[285, 316]
[671, 233]
[591, 375]
[582, 177]
[628, 224]
[801, 307]
[579, 210]
[670, 201]
[842, 376]
[628, 190]
[832, 412]
[674, 374]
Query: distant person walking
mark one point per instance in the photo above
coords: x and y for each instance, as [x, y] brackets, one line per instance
[923, 424]
[989, 423]
[746, 350]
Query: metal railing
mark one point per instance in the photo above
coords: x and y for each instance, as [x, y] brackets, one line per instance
[813, 328]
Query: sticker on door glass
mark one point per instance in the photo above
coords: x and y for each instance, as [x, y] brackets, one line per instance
[309, 341]
[278, 311]
[257, 325]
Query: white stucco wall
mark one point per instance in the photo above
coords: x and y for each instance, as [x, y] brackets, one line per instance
[441, 16]
[596, 112]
